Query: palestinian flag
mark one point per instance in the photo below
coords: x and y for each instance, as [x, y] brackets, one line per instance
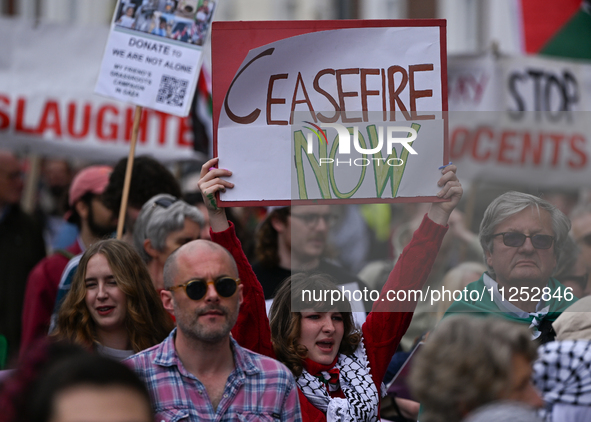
[202, 112]
[557, 27]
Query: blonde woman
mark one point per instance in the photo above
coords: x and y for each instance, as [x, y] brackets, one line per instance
[112, 305]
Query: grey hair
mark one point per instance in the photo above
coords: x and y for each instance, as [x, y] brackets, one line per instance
[156, 222]
[466, 363]
[511, 203]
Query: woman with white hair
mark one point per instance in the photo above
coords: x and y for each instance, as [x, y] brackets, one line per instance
[469, 362]
[164, 224]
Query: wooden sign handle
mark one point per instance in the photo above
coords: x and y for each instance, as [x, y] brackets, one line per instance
[136, 126]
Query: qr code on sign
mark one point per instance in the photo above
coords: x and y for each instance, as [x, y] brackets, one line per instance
[172, 91]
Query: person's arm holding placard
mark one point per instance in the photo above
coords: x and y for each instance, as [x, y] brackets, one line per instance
[252, 327]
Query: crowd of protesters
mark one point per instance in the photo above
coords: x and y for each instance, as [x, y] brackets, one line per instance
[184, 300]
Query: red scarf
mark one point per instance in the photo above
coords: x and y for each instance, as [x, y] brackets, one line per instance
[332, 383]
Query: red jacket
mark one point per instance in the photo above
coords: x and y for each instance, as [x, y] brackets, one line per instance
[40, 294]
[384, 326]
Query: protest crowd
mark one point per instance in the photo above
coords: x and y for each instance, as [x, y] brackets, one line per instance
[181, 302]
[139, 289]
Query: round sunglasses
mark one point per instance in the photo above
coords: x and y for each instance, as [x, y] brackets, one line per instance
[197, 287]
[516, 239]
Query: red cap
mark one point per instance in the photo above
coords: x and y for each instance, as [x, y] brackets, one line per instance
[93, 179]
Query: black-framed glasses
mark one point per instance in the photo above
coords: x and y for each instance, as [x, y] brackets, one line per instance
[197, 287]
[516, 239]
[312, 219]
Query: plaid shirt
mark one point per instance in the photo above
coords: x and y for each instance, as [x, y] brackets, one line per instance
[259, 388]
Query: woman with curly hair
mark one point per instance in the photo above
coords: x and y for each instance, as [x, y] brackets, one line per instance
[112, 305]
[338, 368]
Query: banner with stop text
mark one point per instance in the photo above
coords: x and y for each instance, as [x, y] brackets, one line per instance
[317, 112]
[521, 120]
[153, 54]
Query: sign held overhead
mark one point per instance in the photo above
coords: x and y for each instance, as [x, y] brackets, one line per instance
[312, 108]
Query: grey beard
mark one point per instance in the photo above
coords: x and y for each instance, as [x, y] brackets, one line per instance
[197, 332]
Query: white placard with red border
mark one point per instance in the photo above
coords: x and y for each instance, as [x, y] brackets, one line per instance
[270, 78]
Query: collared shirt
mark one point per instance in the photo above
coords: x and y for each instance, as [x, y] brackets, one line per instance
[506, 306]
[258, 389]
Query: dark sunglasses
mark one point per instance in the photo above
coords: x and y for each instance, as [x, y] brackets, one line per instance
[516, 239]
[164, 202]
[197, 288]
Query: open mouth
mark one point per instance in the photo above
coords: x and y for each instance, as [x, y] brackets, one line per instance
[325, 346]
[104, 310]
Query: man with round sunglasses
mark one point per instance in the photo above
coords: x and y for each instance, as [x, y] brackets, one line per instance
[199, 371]
[196, 289]
[522, 237]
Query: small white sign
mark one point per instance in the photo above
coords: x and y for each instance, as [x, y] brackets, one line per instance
[153, 54]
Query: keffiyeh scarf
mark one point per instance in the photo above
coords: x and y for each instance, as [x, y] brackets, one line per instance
[562, 373]
[361, 396]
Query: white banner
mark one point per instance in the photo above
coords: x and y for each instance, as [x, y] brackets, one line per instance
[47, 105]
[521, 120]
[153, 54]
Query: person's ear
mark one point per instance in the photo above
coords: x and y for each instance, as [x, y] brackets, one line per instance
[81, 208]
[489, 259]
[167, 301]
[150, 250]
[240, 294]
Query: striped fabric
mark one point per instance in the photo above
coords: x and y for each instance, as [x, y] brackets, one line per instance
[259, 388]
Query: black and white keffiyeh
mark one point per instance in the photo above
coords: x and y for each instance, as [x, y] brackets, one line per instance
[362, 398]
[562, 372]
